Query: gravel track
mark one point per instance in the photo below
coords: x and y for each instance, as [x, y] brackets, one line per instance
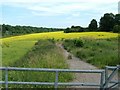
[76, 63]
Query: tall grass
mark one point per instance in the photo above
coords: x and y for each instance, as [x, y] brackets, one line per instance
[99, 52]
[44, 54]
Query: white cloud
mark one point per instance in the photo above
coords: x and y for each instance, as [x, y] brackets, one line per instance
[42, 14]
[76, 14]
[60, 7]
[39, 8]
[34, 1]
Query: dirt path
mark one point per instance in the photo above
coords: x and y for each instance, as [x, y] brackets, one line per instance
[76, 63]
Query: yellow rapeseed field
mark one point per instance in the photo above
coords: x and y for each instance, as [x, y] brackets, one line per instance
[61, 34]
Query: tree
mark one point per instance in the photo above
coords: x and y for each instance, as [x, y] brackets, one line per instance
[117, 19]
[107, 22]
[116, 29]
[93, 25]
[67, 30]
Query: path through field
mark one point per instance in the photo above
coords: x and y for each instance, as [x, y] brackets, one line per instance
[76, 63]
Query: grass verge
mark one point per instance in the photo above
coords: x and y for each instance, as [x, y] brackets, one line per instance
[99, 52]
[44, 54]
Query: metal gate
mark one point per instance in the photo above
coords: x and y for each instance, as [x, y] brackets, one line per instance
[109, 82]
[105, 79]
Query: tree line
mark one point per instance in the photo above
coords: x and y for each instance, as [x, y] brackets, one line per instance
[8, 30]
[108, 23]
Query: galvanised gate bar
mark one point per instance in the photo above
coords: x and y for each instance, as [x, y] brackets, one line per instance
[105, 80]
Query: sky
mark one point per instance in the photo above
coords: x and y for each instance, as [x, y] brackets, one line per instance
[54, 13]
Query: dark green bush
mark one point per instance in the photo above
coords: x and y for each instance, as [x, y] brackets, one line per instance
[78, 43]
[69, 44]
[116, 28]
[52, 40]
